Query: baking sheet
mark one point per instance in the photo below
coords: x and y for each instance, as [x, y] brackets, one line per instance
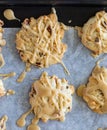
[80, 64]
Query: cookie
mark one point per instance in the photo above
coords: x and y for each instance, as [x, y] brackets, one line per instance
[94, 92]
[51, 98]
[93, 34]
[39, 41]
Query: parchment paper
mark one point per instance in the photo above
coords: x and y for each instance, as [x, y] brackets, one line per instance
[80, 64]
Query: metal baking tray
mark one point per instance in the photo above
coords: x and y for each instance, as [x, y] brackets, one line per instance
[79, 11]
[76, 10]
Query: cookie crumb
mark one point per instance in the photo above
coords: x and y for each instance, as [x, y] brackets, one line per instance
[69, 21]
[10, 92]
[2, 89]
[99, 129]
[8, 75]
[2, 62]
[3, 121]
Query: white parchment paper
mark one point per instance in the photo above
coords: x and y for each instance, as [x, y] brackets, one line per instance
[80, 64]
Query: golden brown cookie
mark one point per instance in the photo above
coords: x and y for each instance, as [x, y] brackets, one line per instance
[95, 91]
[39, 41]
[94, 33]
[50, 98]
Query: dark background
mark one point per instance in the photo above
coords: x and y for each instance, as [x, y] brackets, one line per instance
[79, 11]
[54, 2]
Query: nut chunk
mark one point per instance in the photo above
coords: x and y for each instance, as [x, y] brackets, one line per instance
[94, 33]
[95, 92]
[3, 122]
[51, 98]
[2, 89]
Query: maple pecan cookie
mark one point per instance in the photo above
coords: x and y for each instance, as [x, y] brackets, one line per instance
[95, 91]
[39, 41]
[51, 97]
[94, 33]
